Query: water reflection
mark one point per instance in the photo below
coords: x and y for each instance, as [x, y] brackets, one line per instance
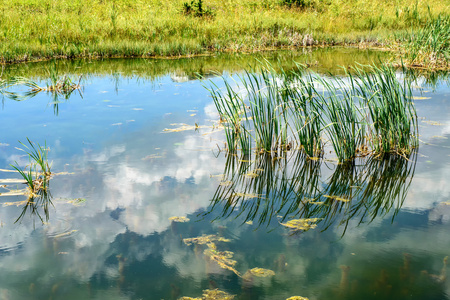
[270, 190]
[60, 89]
[324, 59]
[119, 243]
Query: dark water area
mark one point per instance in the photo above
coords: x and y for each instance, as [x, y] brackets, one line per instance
[141, 144]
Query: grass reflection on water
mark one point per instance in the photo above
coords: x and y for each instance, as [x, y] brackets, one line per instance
[292, 188]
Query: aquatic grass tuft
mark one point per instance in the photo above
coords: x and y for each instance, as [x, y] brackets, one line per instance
[37, 176]
[392, 115]
[305, 112]
[342, 119]
[368, 111]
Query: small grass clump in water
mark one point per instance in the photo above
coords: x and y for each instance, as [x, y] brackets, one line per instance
[366, 112]
[37, 176]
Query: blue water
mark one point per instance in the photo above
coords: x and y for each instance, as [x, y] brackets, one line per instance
[132, 175]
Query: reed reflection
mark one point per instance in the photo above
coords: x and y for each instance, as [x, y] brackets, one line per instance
[271, 190]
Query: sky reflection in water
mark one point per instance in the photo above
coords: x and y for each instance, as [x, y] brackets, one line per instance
[120, 243]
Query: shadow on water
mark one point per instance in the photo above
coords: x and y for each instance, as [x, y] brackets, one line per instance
[270, 190]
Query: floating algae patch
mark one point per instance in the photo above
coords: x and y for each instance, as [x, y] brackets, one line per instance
[420, 98]
[76, 201]
[337, 198]
[433, 123]
[301, 224]
[179, 219]
[260, 272]
[184, 127]
[205, 239]
[246, 161]
[12, 180]
[217, 175]
[64, 234]
[63, 173]
[6, 170]
[211, 295]
[13, 192]
[222, 258]
[251, 175]
[16, 203]
[152, 156]
[246, 195]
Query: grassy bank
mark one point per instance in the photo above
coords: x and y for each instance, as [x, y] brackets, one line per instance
[40, 29]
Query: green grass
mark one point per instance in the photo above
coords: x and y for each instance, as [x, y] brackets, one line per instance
[42, 29]
[429, 47]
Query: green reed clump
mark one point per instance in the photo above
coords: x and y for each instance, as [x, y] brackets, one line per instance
[268, 118]
[366, 112]
[304, 112]
[343, 121]
[230, 106]
[429, 46]
[390, 110]
[37, 178]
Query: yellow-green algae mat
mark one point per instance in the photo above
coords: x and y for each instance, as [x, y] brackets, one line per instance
[221, 295]
[301, 224]
[211, 295]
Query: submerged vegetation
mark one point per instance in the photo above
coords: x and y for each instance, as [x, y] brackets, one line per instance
[34, 30]
[368, 112]
[211, 295]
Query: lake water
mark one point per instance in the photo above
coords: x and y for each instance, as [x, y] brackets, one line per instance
[141, 145]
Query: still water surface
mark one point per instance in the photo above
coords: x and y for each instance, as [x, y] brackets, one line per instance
[131, 168]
